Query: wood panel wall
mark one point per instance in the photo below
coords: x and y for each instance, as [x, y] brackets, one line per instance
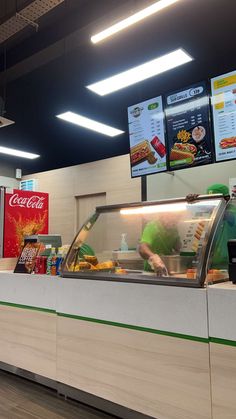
[28, 340]
[110, 176]
[160, 376]
[223, 380]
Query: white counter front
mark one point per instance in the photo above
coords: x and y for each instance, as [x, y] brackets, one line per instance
[141, 346]
[162, 308]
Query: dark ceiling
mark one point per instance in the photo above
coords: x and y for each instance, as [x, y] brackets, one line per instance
[46, 72]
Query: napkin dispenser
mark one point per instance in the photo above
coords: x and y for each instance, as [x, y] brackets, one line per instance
[232, 260]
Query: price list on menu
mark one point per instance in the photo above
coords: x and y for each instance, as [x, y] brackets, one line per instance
[147, 139]
[224, 115]
[188, 130]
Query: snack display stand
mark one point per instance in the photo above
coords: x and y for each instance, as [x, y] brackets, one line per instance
[135, 349]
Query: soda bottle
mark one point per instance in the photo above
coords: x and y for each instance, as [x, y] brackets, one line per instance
[54, 262]
[59, 261]
[49, 262]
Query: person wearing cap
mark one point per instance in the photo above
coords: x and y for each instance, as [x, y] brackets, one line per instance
[217, 188]
[226, 230]
[159, 237]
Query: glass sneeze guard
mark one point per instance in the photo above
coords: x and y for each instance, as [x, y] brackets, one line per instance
[180, 232]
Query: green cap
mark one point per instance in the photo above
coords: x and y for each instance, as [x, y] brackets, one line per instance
[218, 188]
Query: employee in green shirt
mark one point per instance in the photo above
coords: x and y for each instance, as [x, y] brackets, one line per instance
[160, 237]
[225, 231]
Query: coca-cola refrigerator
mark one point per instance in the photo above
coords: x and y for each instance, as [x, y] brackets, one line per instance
[22, 213]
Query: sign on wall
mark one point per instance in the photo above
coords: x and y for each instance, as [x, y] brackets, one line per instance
[147, 137]
[188, 128]
[224, 115]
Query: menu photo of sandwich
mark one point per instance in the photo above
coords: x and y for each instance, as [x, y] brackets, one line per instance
[227, 142]
[147, 151]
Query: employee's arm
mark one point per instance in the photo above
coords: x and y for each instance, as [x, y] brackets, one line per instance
[154, 260]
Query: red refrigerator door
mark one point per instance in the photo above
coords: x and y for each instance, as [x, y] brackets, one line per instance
[25, 213]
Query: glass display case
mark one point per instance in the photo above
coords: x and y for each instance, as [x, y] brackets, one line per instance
[171, 242]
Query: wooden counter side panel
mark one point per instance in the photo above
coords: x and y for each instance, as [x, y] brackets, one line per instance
[160, 376]
[223, 377]
[28, 340]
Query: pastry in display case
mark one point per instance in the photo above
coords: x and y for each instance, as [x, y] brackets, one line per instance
[168, 242]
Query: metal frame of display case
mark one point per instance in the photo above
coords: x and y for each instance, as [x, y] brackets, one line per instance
[170, 281]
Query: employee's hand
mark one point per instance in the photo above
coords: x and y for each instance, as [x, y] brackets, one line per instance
[158, 265]
[191, 197]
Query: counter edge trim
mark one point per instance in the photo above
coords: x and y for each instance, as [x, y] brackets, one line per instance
[221, 341]
[26, 307]
[137, 328]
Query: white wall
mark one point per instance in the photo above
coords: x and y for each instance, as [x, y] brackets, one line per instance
[193, 180]
[9, 182]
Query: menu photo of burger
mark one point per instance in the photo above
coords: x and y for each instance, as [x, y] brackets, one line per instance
[190, 147]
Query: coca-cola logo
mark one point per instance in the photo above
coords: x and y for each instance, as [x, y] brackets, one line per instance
[34, 201]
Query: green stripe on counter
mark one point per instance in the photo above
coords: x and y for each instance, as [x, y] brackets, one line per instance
[223, 341]
[22, 306]
[139, 328]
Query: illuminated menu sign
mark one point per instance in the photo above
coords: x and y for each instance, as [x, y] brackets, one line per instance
[147, 137]
[224, 115]
[188, 129]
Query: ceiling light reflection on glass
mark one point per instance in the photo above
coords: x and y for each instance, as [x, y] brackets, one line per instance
[131, 20]
[18, 153]
[144, 71]
[88, 123]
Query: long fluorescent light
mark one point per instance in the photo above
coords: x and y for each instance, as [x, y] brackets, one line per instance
[89, 123]
[142, 14]
[141, 72]
[18, 153]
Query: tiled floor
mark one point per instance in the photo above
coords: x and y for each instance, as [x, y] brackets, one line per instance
[22, 399]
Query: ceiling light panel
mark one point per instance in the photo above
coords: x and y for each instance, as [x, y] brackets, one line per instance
[18, 153]
[141, 72]
[88, 123]
[131, 20]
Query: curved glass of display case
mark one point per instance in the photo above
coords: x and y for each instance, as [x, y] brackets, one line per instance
[118, 242]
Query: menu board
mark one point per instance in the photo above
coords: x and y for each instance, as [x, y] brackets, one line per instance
[147, 137]
[188, 128]
[224, 115]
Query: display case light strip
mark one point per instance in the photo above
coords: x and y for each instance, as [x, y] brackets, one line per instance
[155, 209]
[141, 72]
[131, 20]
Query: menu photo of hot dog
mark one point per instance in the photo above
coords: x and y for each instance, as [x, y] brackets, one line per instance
[190, 147]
